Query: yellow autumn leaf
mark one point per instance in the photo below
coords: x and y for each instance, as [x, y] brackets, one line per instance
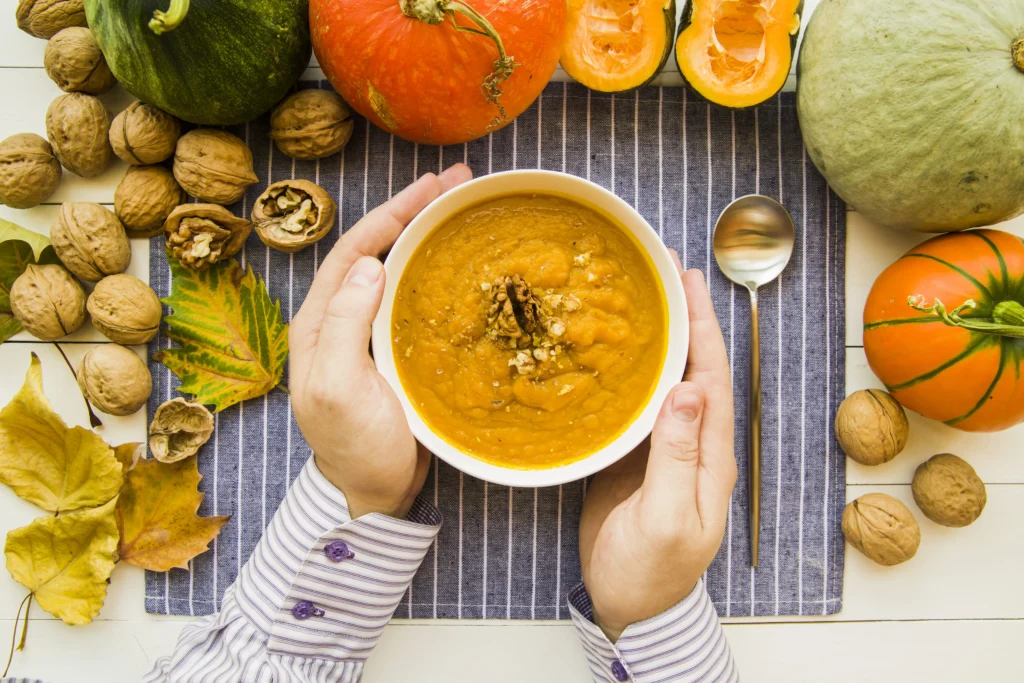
[47, 463]
[157, 517]
[66, 561]
[129, 453]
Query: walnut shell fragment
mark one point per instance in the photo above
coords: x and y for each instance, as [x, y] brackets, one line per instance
[293, 214]
[45, 18]
[125, 309]
[114, 379]
[143, 134]
[871, 427]
[48, 302]
[213, 165]
[90, 240]
[199, 235]
[145, 198]
[74, 62]
[311, 124]
[948, 490]
[78, 128]
[29, 171]
[882, 528]
[179, 429]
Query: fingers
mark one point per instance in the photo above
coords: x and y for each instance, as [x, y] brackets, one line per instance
[676, 262]
[670, 484]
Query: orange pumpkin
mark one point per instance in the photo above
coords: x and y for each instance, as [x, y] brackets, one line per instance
[438, 71]
[944, 329]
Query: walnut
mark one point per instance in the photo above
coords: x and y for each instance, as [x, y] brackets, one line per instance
[29, 171]
[179, 429]
[114, 379]
[48, 302]
[125, 309]
[202, 234]
[145, 198]
[882, 528]
[515, 311]
[74, 62]
[45, 18]
[311, 124]
[948, 490]
[143, 134]
[871, 427]
[293, 214]
[90, 241]
[78, 126]
[213, 165]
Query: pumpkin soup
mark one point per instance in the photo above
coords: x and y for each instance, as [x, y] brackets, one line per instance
[529, 330]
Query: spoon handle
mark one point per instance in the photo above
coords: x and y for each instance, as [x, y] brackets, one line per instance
[754, 428]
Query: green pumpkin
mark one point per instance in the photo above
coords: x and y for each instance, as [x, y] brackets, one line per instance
[914, 110]
[212, 62]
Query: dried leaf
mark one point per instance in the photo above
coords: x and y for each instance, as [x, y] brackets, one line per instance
[18, 248]
[128, 454]
[47, 463]
[157, 516]
[66, 561]
[233, 342]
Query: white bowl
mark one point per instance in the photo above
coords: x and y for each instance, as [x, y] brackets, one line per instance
[589, 194]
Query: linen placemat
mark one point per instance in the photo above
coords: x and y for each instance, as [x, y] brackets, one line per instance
[512, 553]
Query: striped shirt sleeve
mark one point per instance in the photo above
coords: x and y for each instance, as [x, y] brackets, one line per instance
[685, 643]
[313, 599]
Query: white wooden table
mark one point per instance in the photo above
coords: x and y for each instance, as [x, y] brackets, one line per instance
[954, 613]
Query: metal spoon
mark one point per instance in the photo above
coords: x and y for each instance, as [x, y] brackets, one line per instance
[753, 242]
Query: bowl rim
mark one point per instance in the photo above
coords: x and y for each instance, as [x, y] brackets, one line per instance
[589, 194]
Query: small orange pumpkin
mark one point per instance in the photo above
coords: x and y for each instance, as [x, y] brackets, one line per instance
[438, 71]
[944, 329]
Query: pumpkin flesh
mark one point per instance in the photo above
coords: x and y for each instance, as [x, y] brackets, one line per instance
[737, 53]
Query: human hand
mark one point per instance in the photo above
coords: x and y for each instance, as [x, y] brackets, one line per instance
[653, 522]
[347, 412]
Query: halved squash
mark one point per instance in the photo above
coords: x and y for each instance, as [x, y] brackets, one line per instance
[737, 53]
[616, 45]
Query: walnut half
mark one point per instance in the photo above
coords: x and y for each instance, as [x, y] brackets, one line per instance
[199, 235]
[293, 214]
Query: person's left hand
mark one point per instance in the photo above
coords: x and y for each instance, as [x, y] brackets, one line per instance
[347, 412]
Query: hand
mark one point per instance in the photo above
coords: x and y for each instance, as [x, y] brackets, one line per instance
[347, 412]
[653, 522]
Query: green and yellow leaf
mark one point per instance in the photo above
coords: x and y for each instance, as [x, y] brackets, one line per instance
[156, 514]
[233, 343]
[66, 561]
[11, 231]
[18, 248]
[45, 462]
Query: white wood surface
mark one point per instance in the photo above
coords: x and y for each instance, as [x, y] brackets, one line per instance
[953, 613]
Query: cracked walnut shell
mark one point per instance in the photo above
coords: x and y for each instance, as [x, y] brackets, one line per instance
[179, 429]
[199, 235]
[293, 214]
[882, 528]
[311, 124]
[871, 427]
[48, 302]
[948, 490]
[45, 18]
[145, 198]
[29, 171]
[73, 61]
[90, 240]
[78, 128]
[114, 379]
[143, 134]
[213, 165]
[125, 309]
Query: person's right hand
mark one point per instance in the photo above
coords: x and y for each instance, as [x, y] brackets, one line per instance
[653, 522]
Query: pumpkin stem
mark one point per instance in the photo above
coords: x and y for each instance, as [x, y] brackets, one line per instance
[1007, 317]
[1018, 54]
[162, 22]
[434, 12]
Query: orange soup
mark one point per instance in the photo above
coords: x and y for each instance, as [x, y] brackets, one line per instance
[529, 331]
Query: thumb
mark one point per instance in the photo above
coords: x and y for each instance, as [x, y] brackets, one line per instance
[343, 346]
[670, 484]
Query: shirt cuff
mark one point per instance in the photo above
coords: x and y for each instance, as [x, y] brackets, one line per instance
[684, 643]
[321, 585]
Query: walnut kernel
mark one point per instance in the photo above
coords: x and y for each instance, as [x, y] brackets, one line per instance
[114, 379]
[78, 128]
[125, 309]
[29, 171]
[74, 62]
[311, 124]
[144, 134]
[213, 165]
[90, 241]
[199, 235]
[48, 302]
[145, 198]
[293, 214]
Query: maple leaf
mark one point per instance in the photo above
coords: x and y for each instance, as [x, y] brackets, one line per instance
[18, 248]
[233, 342]
[128, 454]
[156, 514]
[45, 462]
[66, 561]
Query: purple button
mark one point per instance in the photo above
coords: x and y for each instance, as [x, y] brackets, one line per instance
[337, 551]
[304, 609]
[619, 671]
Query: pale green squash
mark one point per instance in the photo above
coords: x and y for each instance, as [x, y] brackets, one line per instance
[914, 110]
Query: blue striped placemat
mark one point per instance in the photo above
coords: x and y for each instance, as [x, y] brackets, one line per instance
[512, 553]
